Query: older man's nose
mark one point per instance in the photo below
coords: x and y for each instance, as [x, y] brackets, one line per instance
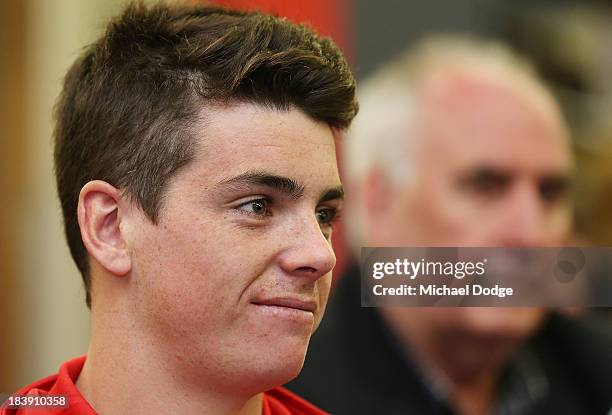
[524, 218]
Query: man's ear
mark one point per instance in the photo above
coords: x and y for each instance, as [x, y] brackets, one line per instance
[100, 219]
[377, 193]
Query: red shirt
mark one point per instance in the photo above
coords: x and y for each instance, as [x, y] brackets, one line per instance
[277, 401]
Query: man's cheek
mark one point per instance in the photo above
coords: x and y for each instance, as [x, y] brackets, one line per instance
[324, 286]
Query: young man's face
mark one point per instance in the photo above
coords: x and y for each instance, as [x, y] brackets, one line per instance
[234, 277]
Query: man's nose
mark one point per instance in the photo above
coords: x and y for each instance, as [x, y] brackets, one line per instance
[308, 253]
[524, 218]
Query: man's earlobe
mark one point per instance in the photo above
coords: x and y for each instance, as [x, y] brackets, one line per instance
[100, 219]
[377, 193]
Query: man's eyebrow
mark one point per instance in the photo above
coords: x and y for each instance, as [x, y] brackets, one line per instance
[331, 194]
[282, 184]
[562, 178]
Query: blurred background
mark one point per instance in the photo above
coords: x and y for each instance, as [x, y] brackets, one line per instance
[43, 318]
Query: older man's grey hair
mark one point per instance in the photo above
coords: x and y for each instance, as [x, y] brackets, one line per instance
[385, 136]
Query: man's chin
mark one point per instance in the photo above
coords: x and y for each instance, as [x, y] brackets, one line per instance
[469, 355]
[282, 365]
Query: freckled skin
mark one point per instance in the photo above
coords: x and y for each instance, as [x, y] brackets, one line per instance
[197, 270]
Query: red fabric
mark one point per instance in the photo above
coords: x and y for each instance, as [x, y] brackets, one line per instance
[330, 18]
[277, 401]
[61, 383]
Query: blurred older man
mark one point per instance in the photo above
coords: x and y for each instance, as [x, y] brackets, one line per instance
[458, 144]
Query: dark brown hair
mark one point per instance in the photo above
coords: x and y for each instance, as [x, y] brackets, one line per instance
[128, 102]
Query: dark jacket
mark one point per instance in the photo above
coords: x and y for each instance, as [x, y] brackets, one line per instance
[354, 365]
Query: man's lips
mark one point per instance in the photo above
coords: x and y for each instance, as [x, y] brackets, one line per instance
[294, 303]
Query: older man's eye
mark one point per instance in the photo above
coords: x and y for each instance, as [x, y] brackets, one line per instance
[259, 207]
[555, 189]
[486, 182]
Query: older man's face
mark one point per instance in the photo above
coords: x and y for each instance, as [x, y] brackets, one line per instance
[492, 166]
[234, 277]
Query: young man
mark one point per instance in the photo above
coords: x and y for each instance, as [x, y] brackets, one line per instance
[195, 162]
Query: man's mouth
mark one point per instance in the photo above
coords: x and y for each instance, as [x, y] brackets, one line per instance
[305, 305]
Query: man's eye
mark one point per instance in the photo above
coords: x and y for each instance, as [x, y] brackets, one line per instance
[486, 183]
[554, 190]
[326, 216]
[259, 207]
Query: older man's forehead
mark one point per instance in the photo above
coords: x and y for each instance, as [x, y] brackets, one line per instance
[461, 79]
[462, 110]
[464, 91]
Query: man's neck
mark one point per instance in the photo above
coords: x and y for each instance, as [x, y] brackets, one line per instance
[120, 376]
[477, 398]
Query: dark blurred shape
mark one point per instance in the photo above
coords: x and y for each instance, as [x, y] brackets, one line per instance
[357, 366]
[385, 27]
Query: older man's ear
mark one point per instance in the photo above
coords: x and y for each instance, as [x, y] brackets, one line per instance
[377, 194]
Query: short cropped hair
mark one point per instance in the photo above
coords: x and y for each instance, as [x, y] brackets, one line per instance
[130, 103]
